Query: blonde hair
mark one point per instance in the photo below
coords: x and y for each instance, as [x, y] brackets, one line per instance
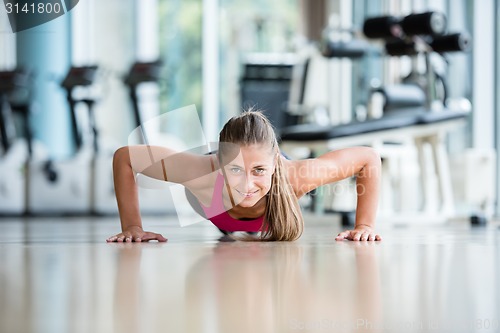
[283, 219]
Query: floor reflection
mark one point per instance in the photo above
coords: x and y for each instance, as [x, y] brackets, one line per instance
[416, 280]
[253, 287]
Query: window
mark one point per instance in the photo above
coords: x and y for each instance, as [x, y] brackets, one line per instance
[250, 27]
[181, 52]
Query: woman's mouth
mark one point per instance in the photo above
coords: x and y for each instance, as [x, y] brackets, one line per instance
[247, 194]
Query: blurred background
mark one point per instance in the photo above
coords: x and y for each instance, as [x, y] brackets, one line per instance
[422, 81]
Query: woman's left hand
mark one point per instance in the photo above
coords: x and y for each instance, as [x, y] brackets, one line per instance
[359, 233]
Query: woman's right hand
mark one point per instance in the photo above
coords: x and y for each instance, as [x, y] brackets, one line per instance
[135, 234]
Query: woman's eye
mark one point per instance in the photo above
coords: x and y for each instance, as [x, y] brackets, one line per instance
[235, 170]
[260, 171]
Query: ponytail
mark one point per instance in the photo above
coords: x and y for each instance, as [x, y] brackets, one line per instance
[283, 219]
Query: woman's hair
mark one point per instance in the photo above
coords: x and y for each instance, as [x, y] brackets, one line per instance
[283, 219]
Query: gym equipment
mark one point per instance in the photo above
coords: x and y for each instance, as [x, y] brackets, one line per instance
[336, 43]
[419, 35]
[265, 84]
[154, 197]
[389, 26]
[399, 98]
[410, 105]
[65, 186]
[14, 96]
[80, 77]
[102, 195]
[479, 220]
[141, 72]
[417, 125]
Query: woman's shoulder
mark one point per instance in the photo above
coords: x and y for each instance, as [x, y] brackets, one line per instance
[295, 171]
[207, 168]
[204, 187]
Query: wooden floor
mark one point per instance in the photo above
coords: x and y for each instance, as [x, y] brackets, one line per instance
[59, 275]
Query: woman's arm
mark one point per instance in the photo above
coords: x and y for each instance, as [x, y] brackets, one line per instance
[128, 201]
[362, 162]
[156, 162]
[166, 164]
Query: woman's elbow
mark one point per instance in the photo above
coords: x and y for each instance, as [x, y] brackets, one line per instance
[375, 157]
[121, 157]
[373, 162]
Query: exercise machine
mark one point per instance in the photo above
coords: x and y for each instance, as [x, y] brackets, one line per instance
[419, 36]
[65, 186]
[14, 150]
[87, 136]
[154, 195]
[419, 119]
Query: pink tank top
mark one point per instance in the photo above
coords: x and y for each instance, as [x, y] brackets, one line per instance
[218, 215]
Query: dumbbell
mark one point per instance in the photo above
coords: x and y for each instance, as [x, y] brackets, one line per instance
[428, 23]
[457, 42]
[388, 27]
[451, 43]
[400, 47]
[382, 27]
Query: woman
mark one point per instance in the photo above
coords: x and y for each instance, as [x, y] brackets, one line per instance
[248, 185]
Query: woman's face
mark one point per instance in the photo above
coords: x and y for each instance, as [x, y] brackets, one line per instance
[249, 174]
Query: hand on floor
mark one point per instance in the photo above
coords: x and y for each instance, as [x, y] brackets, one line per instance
[136, 234]
[359, 233]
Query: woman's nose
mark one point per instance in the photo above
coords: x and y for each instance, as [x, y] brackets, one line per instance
[249, 182]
